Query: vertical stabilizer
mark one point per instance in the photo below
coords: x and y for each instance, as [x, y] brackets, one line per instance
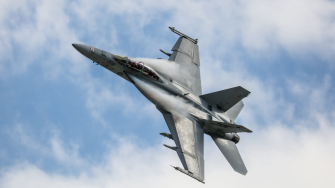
[234, 111]
[230, 151]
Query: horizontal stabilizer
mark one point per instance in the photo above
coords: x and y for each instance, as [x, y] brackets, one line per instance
[225, 99]
[230, 151]
[211, 126]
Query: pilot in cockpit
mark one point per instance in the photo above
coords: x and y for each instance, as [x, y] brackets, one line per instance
[138, 66]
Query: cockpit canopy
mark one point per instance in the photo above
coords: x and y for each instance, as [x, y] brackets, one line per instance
[137, 66]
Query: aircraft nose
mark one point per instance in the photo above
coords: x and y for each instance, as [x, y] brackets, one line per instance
[83, 49]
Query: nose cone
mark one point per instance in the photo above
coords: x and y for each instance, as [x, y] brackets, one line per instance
[83, 49]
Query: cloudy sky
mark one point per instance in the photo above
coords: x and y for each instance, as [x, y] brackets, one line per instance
[65, 122]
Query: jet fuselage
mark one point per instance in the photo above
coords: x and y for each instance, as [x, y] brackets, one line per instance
[144, 77]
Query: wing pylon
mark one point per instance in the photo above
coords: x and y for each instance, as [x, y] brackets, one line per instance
[188, 136]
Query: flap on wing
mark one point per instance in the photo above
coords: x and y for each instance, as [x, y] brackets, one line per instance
[189, 138]
[186, 45]
[213, 126]
[225, 99]
[186, 54]
[187, 48]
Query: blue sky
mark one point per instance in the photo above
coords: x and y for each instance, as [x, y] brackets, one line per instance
[66, 122]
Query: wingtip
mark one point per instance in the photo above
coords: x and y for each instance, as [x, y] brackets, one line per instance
[243, 173]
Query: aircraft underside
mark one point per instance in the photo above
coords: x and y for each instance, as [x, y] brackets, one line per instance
[188, 113]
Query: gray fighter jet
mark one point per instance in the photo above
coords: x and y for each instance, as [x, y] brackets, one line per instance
[194, 114]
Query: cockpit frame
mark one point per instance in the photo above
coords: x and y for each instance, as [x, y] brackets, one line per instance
[137, 66]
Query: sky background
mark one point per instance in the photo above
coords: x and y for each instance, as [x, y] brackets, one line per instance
[66, 122]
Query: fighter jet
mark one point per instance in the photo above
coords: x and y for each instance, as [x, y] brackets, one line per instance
[213, 114]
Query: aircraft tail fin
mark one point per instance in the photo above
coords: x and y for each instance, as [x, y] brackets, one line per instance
[231, 153]
[234, 111]
[225, 99]
[228, 100]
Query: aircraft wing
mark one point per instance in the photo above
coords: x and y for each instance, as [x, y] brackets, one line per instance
[189, 138]
[186, 54]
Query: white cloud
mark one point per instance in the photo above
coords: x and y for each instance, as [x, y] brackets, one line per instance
[31, 29]
[67, 156]
[276, 156]
[289, 151]
[55, 148]
[261, 27]
[300, 27]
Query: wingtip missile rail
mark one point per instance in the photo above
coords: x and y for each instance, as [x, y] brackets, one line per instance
[187, 173]
[213, 113]
[195, 41]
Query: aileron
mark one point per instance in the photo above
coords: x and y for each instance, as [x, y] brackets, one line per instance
[178, 96]
[188, 136]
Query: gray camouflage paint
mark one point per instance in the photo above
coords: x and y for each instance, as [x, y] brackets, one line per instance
[213, 114]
